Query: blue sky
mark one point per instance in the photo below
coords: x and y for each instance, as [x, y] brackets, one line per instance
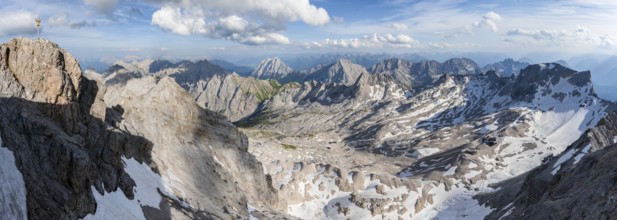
[109, 29]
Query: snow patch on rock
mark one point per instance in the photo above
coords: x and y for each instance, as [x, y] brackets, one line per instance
[12, 187]
[115, 205]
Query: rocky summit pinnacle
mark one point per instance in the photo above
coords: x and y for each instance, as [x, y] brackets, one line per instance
[22, 57]
[271, 68]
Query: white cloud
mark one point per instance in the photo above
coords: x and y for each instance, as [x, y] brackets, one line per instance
[20, 22]
[235, 28]
[375, 41]
[440, 45]
[174, 20]
[58, 20]
[399, 26]
[244, 21]
[580, 35]
[103, 6]
[490, 19]
[233, 23]
[607, 40]
[550, 35]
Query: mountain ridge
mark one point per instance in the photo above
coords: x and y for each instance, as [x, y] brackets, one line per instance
[409, 140]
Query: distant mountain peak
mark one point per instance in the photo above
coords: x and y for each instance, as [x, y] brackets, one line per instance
[343, 71]
[271, 68]
[506, 68]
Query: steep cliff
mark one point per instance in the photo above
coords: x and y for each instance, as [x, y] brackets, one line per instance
[142, 149]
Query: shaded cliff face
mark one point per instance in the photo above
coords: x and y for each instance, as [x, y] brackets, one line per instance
[61, 150]
[147, 151]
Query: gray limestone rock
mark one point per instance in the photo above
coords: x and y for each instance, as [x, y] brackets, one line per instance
[70, 135]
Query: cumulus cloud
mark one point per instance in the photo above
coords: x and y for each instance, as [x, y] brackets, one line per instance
[58, 20]
[20, 22]
[235, 28]
[603, 40]
[490, 19]
[174, 20]
[103, 6]
[244, 21]
[376, 41]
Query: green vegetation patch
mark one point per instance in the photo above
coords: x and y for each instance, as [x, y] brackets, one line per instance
[289, 147]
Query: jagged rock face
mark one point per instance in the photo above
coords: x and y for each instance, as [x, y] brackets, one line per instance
[506, 68]
[459, 66]
[159, 65]
[194, 148]
[449, 141]
[192, 72]
[576, 184]
[546, 75]
[23, 57]
[367, 60]
[423, 74]
[146, 152]
[341, 72]
[60, 149]
[398, 69]
[271, 68]
[231, 95]
[212, 88]
[118, 74]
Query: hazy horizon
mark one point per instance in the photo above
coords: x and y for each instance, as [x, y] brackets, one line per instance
[104, 29]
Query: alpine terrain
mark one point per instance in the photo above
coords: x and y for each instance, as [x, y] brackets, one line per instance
[401, 139]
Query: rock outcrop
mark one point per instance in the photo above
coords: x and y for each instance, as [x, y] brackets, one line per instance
[60, 149]
[193, 147]
[141, 149]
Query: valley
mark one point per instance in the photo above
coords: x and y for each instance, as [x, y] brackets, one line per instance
[191, 140]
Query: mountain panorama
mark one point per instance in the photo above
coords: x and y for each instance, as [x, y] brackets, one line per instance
[402, 139]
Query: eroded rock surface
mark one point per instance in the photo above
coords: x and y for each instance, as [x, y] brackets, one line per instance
[138, 149]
